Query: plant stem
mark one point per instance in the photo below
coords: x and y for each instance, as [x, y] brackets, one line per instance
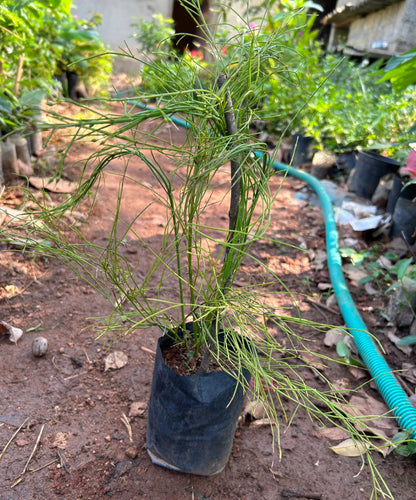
[235, 173]
[19, 74]
[235, 165]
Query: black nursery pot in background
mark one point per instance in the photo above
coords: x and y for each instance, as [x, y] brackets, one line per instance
[69, 81]
[404, 220]
[399, 190]
[301, 150]
[369, 169]
[192, 419]
[72, 79]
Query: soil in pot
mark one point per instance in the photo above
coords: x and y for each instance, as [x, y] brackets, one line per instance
[192, 418]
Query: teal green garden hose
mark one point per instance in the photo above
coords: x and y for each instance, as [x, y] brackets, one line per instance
[389, 388]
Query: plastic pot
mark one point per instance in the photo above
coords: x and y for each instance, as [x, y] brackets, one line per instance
[398, 191]
[346, 161]
[404, 220]
[9, 162]
[369, 169]
[72, 79]
[301, 150]
[192, 419]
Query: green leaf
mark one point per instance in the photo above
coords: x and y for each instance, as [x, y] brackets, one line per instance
[396, 61]
[343, 350]
[313, 5]
[407, 449]
[401, 267]
[401, 70]
[408, 340]
[21, 4]
[400, 437]
[32, 97]
[5, 105]
[366, 279]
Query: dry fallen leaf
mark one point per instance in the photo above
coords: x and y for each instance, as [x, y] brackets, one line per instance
[333, 433]
[9, 291]
[324, 286]
[408, 371]
[357, 373]
[115, 361]
[320, 259]
[254, 410]
[333, 336]
[22, 442]
[373, 415]
[349, 448]
[137, 409]
[342, 385]
[353, 273]
[60, 440]
[262, 422]
[18, 218]
[370, 290]
[406, 349]
[13, 332]
[60, 186]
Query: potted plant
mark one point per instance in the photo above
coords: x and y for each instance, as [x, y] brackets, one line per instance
[81, 54]
[222, 335]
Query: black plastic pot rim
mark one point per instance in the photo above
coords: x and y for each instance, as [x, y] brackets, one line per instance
[378, 156]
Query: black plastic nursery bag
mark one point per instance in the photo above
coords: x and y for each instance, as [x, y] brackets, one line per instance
[192, 419]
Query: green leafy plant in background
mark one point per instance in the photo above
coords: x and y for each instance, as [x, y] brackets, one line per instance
[27, 58]
[338, 102]
[289, 91]
[388, 273]
[39, 37]
[201, 262]
[82, 51]
[401, 70]
[19, 114]
[27, 53]
[155, 37]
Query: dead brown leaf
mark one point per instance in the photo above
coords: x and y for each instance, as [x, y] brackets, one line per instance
[13, 332]
[115, 360]
[333, 433]
[56, 186]
[373, 415]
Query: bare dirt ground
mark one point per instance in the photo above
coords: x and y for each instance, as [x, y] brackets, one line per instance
[80, 420]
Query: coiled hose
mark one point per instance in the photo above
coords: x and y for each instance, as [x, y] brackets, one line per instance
[391, 391]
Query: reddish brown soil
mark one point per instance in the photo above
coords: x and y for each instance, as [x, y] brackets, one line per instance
[85, 451]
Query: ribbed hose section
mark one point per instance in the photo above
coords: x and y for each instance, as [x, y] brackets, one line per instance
[389, 388]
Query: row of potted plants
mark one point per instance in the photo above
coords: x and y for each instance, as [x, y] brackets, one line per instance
[39, 40]
[342, 103]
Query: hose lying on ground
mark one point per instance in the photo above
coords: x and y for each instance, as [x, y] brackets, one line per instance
[389, 388]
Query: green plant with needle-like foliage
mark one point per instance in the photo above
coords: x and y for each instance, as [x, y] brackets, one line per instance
[195, 266]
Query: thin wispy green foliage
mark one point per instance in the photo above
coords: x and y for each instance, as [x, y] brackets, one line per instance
[195, 267]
